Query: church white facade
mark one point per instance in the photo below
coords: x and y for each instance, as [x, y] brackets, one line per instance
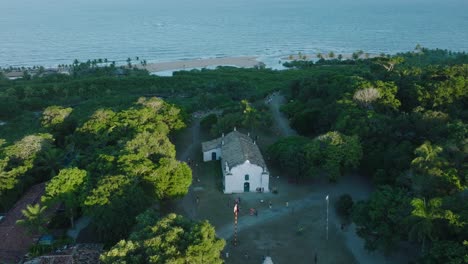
[242, 164]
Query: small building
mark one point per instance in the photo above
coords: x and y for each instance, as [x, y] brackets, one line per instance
[14, 75]
[242, 163]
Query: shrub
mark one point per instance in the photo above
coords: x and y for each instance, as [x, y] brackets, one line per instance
[208, 121]
[344, 206]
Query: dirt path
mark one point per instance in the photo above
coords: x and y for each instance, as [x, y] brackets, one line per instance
[188, 201]
[282, 123]
[314, 199]
[357, 187]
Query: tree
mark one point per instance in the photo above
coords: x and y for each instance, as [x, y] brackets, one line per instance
[335, 152]
[366, 96]
[18, 168]
[56, 120]
[250, 115]
[432, 173]
[171, 179]
[209, 121]
[54, 116]
[34, 219]
[331, 55]
[67, 188]
[153, 145]
[173, 239]
[390, 63]
[381, 219]
[344, 206]
[427, 156]
[113, 205]
[289, 154]
[449, 252]
[423, 216]
[355, 56]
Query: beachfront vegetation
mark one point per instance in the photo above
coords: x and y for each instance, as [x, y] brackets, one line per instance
[399, 120]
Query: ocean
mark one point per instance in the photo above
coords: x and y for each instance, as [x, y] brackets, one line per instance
[52, 32]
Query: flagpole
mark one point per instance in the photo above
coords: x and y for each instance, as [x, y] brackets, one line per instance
[236, 210]
[327, 216]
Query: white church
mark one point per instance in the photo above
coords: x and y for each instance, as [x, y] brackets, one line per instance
[244, 169]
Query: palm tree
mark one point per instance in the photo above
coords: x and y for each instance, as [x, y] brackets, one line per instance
[331, 55]
[427, 156]
[46, 162]
[423, 216]
[34, 219]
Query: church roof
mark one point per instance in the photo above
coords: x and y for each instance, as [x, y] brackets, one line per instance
[237, 149]
[212, 144]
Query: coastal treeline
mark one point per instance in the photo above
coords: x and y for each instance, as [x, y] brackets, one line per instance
[408, 113]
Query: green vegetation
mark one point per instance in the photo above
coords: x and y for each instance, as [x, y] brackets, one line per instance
[344, 206]
[34, 219]
[332, 152]
[408, 113]
[30, 160]
[102, 138]
[66, 188]
[172, 239]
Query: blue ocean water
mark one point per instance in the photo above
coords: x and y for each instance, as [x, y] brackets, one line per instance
[52, 32]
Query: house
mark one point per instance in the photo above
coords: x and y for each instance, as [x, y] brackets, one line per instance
[75, 254]
[13, 75]
[242, 164]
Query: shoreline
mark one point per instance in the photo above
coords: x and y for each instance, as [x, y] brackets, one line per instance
[241, 62]
[167, 68]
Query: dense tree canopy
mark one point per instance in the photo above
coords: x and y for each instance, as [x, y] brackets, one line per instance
[172, 239]
[400, 120]
[381, 220]
[333, 152]
[30, 160]
[409, 114]
[67, 188]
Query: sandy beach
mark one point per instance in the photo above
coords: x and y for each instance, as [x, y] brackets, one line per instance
[314, 57]
[243, 62]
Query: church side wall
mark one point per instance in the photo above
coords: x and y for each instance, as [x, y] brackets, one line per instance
[207, 154]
